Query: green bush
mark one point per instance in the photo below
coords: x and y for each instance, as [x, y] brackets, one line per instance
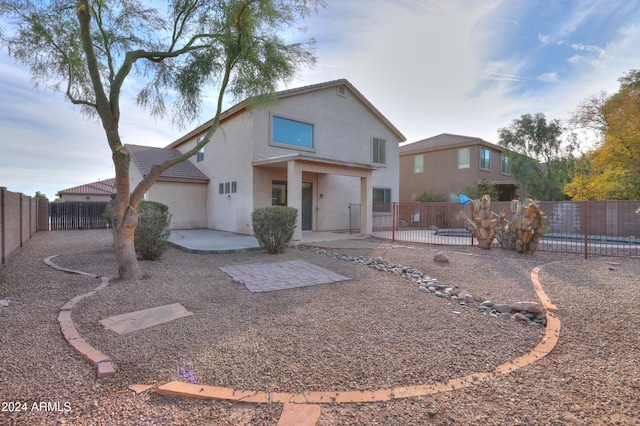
[152, 231]
[475, 190]
[273, 227]
[430, 197]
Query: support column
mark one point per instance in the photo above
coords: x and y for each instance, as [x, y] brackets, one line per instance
[366, 205]
[294, 195]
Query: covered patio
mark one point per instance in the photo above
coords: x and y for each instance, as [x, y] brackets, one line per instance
[299, 169]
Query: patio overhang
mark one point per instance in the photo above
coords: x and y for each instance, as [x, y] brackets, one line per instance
[336, 166]
[297, 163]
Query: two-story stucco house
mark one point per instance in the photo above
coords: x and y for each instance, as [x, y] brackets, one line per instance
[316, 148]
[446, 163]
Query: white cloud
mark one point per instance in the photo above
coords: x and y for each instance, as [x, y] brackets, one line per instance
[549, 77]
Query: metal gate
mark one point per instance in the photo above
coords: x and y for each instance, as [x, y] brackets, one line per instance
[77, 215]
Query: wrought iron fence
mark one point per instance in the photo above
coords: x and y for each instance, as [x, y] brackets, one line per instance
[602, 228]
[77, 215]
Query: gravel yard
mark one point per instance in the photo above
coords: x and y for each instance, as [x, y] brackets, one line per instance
[375, 331]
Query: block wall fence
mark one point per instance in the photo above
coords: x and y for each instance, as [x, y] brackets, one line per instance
[21, 216]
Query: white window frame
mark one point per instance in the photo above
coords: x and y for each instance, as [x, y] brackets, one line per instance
[379, 151]
[284, 144]
[418, 163]
[200, 154]
[385, 206]
[464, 158]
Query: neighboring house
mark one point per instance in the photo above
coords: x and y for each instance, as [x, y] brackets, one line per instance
[317, 148]
[99, 191]
[446, 163]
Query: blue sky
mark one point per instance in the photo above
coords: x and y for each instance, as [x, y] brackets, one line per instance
[430, 66]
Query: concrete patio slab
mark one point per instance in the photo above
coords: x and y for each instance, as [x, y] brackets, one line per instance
[138, 320]
[261, 277]
[212, 241]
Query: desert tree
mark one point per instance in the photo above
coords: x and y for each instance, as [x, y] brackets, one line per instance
[611, 170]
[540, 155]
[177, 52]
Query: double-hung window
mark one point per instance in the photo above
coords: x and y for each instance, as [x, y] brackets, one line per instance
[379, 151]
[418, 163]
[200, 154]
[485, 158]
[382, 200]
[505, 165]
[463, 158]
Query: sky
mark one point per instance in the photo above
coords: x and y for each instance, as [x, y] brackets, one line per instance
[468, 67]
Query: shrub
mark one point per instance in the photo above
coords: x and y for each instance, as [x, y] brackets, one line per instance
[430, 197]
[152, 231]
[475, 190]
[273, 227]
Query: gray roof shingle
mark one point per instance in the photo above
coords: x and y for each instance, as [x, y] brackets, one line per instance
[146, 157]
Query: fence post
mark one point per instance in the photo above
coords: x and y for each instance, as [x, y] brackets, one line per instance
[393, 221]
[3, 231]
[586, 229]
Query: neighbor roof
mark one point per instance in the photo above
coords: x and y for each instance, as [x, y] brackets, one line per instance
[293, 92]
[445, 140]
[146, 157]
[101, 187]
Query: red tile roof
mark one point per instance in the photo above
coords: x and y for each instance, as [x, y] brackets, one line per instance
[101, 187]
[443, 141]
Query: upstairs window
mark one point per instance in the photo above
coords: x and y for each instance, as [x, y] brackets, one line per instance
[418, 163]
[485, 159]
[505, 165]
[379, 151]
[463, 158]
[200, 154]
[290, 132]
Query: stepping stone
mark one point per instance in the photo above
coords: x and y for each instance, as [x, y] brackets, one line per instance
[299, 415]
[139, 388]
[138, 320]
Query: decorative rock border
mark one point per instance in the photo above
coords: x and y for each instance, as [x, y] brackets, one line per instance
[104, 367]
[543, 348]
[529, 312]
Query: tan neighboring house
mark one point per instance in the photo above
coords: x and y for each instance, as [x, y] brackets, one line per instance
[99, 191]
[446, 163]
[317, 148]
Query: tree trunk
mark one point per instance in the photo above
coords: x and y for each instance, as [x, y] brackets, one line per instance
[124, 227]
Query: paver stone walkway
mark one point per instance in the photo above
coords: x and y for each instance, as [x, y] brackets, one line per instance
[261, 277]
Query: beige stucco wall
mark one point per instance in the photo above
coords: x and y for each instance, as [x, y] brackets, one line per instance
[187, 201]
[441, 174]
[343, 130]
[227, 158]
